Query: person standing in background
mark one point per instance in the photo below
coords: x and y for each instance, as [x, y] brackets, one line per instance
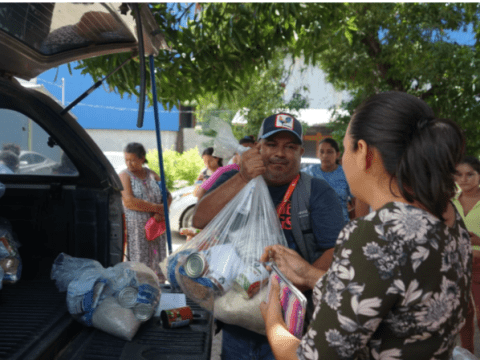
[332, 172]
[212, 164]
[142, 199]
[467, 203]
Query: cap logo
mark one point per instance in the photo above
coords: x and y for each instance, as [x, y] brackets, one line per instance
[284, 121]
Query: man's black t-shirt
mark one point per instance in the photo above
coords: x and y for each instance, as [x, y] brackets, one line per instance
[325, 211]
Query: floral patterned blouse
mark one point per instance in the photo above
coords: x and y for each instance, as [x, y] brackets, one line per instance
[398, 288]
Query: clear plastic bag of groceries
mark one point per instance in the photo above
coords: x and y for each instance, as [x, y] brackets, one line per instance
[219, 268]
[115, 300]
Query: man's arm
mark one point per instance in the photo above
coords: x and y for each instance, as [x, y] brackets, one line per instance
[213, 202]
[321, 266]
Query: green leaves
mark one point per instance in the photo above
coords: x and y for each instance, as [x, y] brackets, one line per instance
[406, 47]
[223, 46]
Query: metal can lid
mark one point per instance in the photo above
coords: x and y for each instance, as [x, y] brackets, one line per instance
[143, 312]
[127, 297]
[195, 265]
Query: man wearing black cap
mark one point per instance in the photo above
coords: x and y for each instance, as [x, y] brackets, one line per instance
[277, 158]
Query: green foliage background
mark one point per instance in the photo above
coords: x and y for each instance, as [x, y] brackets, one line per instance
[225, 49]
[409, 47]
[178, 166]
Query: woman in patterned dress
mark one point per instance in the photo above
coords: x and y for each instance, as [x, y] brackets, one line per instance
[142, 199]
[399, 283]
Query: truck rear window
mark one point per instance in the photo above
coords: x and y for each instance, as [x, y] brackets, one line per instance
[25, 148]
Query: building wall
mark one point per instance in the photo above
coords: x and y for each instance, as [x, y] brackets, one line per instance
[115, 140]
[192, 139]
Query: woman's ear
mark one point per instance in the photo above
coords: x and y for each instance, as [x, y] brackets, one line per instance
[363, 156]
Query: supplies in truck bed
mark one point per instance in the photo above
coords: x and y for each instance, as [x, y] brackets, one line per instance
[116, 300]
[10, 261]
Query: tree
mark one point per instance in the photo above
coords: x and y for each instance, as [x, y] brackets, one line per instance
[261, 96]
[409, 47]
[220, 47]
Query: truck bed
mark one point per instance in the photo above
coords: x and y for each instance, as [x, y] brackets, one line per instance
[152, 341]
[34, 321]
[35, 324]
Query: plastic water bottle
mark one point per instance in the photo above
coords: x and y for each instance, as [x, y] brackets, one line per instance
[147, 297]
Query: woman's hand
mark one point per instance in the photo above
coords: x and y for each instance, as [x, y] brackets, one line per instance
[272, 312]
[159, 217]
[292, 265]
[284, 345]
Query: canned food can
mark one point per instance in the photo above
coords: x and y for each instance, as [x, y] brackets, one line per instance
[143, 312]
[127, 297]
[249, 281]
[178, 317]
[196, 265]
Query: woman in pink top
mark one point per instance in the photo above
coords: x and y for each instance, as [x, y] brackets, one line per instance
[207, 184]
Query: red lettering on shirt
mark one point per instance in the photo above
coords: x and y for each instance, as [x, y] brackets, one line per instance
[286, 218]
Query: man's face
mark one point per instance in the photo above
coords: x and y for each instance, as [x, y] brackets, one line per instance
[281, 155]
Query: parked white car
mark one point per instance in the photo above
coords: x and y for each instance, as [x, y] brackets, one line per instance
[34, 163]
[181, 209]
[183, 203]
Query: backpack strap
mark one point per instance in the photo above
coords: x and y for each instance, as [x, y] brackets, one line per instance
[303, 232]
[301, 226]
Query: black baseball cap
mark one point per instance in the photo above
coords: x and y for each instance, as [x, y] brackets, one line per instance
[280, 122]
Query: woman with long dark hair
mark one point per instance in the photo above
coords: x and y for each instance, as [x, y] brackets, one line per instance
[399, 283]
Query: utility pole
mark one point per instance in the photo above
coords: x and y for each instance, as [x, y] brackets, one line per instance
[63, 91]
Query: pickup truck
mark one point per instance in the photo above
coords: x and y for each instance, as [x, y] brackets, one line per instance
[74, 207]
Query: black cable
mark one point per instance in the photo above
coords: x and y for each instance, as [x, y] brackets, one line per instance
[93, 87]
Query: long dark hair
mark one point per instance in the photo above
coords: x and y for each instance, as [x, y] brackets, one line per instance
[209, 151]
[419, 151]
[137, 149]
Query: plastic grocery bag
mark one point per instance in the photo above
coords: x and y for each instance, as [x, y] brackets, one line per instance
[460, 353]
[116, 300]
[225, 144]
[219, 267]
[10, 261]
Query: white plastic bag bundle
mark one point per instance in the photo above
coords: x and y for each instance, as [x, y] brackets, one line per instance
[460, 353]
[116, 300]
[225, 145]
[219, 268]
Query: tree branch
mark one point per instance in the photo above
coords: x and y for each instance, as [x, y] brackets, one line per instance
[374, 50]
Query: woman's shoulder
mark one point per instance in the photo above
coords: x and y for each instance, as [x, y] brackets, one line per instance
[124, 173]
[152, 173]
